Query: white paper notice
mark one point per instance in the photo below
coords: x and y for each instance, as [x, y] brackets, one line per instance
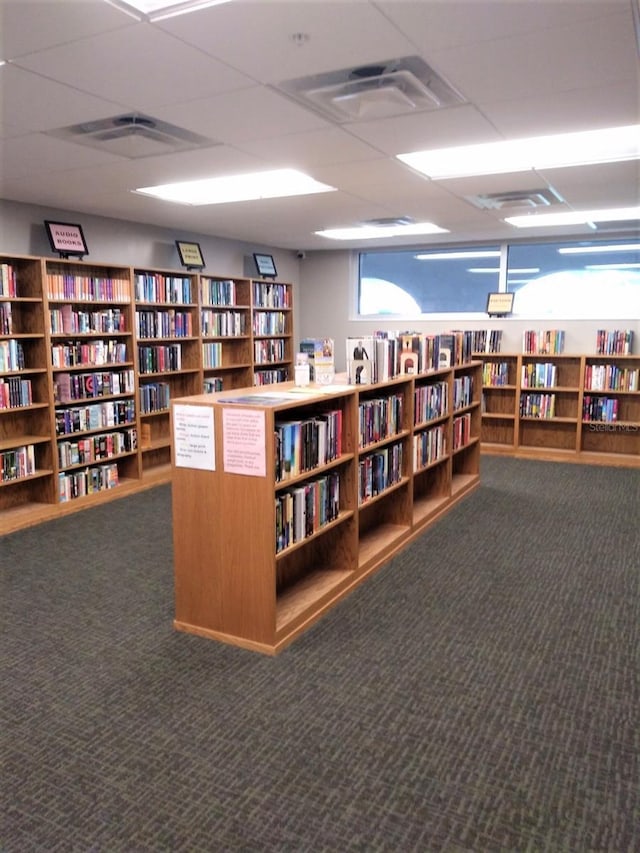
[243, 438]
[193, 438]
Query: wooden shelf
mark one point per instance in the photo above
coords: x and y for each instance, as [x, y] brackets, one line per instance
[230, 583]
[568, 436]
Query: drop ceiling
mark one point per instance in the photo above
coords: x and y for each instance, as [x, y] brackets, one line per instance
[224, 75]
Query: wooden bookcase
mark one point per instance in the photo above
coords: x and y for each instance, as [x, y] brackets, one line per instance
[272, 331]
[225, 324]
[89, 337]
[547, 406]
[238, 577]
[27, 449]
[72, 331]
[168, 356]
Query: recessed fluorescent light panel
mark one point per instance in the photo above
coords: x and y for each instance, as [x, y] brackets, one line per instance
[370, 232]
[157, 10]
[279, 183]
[573, 217]
[610, 145]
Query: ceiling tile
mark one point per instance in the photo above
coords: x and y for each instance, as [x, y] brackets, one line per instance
[139, 66]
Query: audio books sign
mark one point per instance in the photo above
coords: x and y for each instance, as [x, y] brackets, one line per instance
[66, 238]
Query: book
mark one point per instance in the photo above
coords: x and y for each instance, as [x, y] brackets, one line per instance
[360, 364]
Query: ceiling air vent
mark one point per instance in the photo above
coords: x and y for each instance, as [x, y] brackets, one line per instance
[378, 90]
[133, 135]
[386, 221]
[516, 199]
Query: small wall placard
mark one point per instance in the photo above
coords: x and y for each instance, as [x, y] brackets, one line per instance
[66, 238]
[500, 304]
[190, 255]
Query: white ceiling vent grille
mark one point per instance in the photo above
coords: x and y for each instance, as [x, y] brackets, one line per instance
[516, 199]
[387, 221]
[379, 90]
[133, 135]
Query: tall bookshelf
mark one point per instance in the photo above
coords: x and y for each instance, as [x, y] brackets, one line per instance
[168, 353]
[549, 409]
[241, 575]
[27, 477]
[90, 344]
[272, 331]
[225, 324]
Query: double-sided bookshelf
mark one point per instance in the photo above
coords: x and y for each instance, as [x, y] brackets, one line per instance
[307, 492]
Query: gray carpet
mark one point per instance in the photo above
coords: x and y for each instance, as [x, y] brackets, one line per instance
[480, 693]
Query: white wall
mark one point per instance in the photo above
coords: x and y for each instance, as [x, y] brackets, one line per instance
[328, 297]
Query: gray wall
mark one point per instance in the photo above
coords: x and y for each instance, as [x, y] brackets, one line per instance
[325, 294]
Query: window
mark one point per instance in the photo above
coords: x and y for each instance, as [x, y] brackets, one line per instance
[428, 282]
[571, 279]
[591, 279]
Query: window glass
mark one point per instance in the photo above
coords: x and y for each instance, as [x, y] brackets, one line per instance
[589, 279]
[428, 282]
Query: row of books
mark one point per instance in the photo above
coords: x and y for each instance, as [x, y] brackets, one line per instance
[268, 351]
[68, 321]
[269, 377]
[11, 355]
[97, 447]
[429, 446]
[17, 463]
[302, 445]
[82, 386]
[487, 340]
[378, 471]
[87, 288]
[164, 324]
[269, 323]
[538, 375]
[95, 416]
[90, 353]
[610, 377]
[160, 359]
[6, 319]
[461, 430]
[156, 287]
[223, 324]
[215, 292]
[537, 406]
[154, 397]
[212, 385]
[462, 392]
[615, 342]
[600, 408]
[303, 510]
[271, 295]
[77, 484]
[431, 401]
[211, 355]
[15, 392]
[385, 355]
[8, 280]
[379, 418]
[543, 341]
[495, 373]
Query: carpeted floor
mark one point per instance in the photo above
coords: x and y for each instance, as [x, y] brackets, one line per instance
[480, 693]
